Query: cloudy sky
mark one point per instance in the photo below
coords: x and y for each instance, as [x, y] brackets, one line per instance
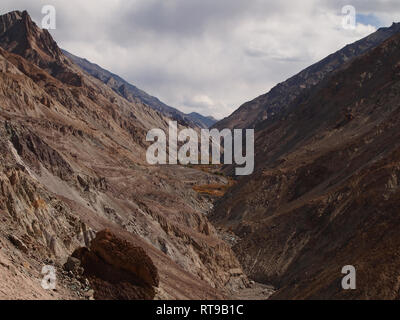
[208, 56]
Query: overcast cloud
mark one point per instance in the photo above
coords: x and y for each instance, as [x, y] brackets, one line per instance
[208, 56]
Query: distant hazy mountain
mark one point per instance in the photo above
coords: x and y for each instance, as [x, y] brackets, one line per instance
[202, 121]
[270, 104]
[134, 94]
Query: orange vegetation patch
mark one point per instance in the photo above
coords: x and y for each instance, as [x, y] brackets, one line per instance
[216, 190]
[39, 204]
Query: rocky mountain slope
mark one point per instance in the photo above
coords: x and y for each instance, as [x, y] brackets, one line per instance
[134, 94]
[282, 95]
[325, 192]
[73, 163]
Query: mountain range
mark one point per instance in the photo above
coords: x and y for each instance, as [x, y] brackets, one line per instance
[77, 194]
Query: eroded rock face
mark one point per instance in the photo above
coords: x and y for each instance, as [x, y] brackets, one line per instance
[118, 270]
[73, 163]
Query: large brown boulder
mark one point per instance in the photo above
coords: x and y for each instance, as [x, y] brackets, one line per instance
[118, 270]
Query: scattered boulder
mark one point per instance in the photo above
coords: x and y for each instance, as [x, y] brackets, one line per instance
[73, 265]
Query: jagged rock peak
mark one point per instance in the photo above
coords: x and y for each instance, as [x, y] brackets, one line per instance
[10, 18]
[20, 35]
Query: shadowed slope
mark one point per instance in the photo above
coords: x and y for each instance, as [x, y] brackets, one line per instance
[325, 193]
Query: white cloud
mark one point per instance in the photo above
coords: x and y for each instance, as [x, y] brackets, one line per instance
[205, 55]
